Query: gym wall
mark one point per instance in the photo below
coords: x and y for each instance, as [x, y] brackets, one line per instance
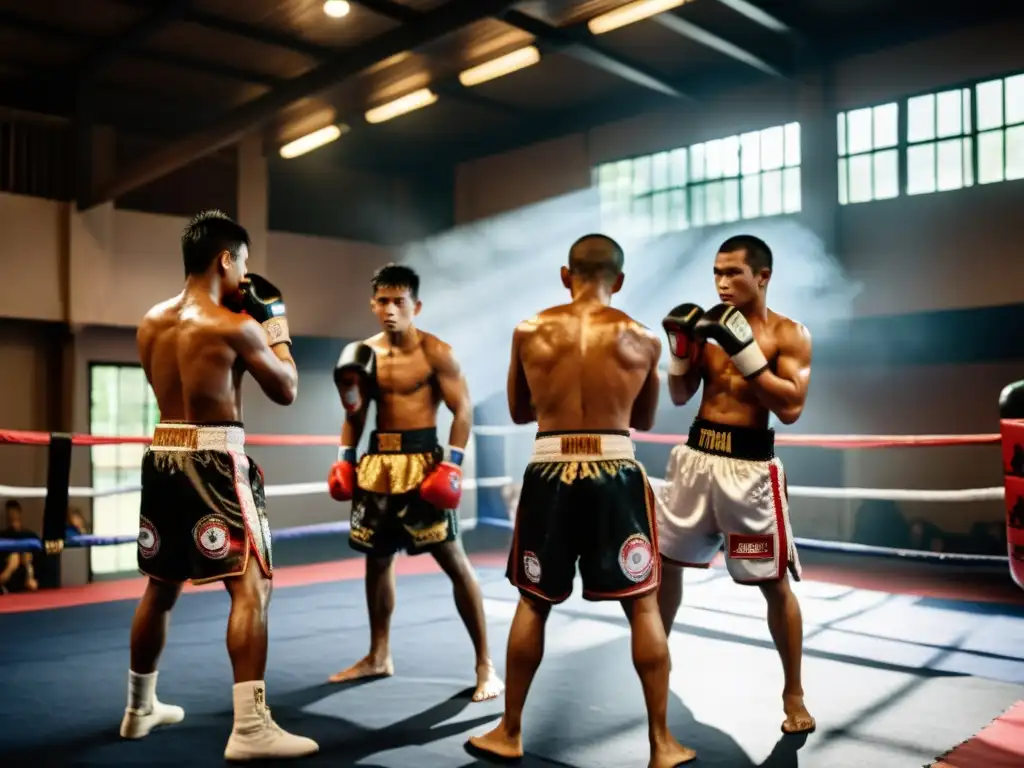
[929, 347]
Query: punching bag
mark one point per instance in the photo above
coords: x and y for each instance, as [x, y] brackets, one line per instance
[1011, 428]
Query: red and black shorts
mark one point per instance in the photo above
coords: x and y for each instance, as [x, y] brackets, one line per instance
[585, 499]
[203, 509]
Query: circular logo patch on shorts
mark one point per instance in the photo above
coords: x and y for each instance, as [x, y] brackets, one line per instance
[636, 558]
[531, 566]
[213, 537]
[149, 540]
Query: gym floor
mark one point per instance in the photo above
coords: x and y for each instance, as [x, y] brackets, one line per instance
[893, 679]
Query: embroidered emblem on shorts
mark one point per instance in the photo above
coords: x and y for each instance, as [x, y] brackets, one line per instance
[531, 566]
[751, 547]
[212, 537]
[149, 540]
[636, 558]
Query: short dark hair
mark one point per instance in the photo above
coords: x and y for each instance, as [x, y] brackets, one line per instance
[206, 236]
[603, 262]
[396, 276]
[756, 251]
[12, 504]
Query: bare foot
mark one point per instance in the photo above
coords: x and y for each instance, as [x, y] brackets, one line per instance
[488, 684]
[499, 743]
[364, 668]
[798, 719]
[670, 754]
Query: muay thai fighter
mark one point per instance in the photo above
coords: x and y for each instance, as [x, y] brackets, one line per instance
[405, 490]
[725, 483]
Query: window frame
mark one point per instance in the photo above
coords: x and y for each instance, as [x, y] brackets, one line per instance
[903, 144]
[688, 190]
[99, 515]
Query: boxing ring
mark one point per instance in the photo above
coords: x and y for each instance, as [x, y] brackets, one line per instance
[898, 672]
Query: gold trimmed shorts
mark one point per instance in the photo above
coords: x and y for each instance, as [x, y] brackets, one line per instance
[388, 513]
[585, 499]
[203, 507]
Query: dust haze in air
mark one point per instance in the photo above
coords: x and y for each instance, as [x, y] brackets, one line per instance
[480, 280]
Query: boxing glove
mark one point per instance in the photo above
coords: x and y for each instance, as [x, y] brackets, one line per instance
[341, 481]
[262, 301]
[355, 375]
[726, 325]
[682, 345]
[442, 487]
[1011, 427]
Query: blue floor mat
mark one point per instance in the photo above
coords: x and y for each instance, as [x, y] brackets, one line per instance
[893, 680]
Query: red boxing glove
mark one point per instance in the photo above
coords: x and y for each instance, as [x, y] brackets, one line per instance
[443, 486]
[682, 346]
[341, 481]
[1011, 427]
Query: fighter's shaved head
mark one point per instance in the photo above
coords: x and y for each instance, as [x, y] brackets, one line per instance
[596, 257]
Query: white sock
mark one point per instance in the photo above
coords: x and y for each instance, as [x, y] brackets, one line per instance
[141, 691]
[250, 700]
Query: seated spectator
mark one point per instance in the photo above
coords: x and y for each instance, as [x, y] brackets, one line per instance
[18, 573]
[74, 524]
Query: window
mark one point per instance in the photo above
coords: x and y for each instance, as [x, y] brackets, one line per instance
[748, 176]
[1000, 129]
[868, 154]
[940, 149]
[121, 404]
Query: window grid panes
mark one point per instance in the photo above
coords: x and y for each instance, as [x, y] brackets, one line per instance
[747, 176]
[1000, 129]
[122, 404]
[868, 142]
[940, 148]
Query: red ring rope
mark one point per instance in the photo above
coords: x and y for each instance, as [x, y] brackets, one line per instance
[20, 437]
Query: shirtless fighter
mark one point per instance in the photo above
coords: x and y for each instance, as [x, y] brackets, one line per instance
[202, 515]
[725, 482]
[405, 490]
[586, 373]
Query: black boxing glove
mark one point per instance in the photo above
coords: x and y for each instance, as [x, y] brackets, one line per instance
[262, 301]
[355, 375]
[727, 325]
[682, 345]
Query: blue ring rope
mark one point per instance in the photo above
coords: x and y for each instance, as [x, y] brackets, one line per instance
[330, 529]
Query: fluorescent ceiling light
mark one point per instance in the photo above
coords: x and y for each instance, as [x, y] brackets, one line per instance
[501, 66]
[630, 14]
[312, 141]
[424, 97]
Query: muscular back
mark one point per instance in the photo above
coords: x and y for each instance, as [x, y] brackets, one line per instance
[184, 345]
[585, 366]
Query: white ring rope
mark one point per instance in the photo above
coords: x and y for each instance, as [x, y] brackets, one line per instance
[286, 489]
[795, 491]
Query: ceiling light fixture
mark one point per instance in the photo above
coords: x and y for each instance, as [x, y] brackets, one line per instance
[337, 9]
[312, 141]
[424, 97]
[499, 67]
[630, 14]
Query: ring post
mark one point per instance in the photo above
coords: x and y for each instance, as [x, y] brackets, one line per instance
[55, 508]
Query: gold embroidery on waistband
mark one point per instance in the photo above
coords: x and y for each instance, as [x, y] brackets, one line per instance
[391, 442]
[715, 440]
[569, 472]
[176, 437]
[581, 445]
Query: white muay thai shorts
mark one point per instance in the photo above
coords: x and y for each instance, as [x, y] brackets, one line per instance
[725, 485]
